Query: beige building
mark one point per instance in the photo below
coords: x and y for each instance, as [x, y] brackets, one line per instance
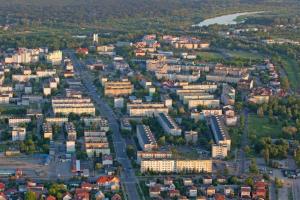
[118, 88]
[208, 103]
[96, 143]
[18, 134]
[175, 166]
[219, 151]
[146, 109]
[153, 155]
[73, 105]
[48, 132]
[54, 58]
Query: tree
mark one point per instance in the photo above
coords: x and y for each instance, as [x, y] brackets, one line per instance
[266, 154]
[253, 167]
[30, 196]
[162, 140]
[290, 130]
[130, 151]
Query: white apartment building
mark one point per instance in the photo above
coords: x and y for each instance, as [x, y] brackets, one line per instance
[18, 134]
[168, 124]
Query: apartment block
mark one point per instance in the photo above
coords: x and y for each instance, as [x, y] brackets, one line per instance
[71, 131]
[220, 135]
[219, 151]
[47, 130]
[146, 109]
[146, 138]
[118, 88]
[96, 143]
[168, 124]
[208, 103]
[73, 105]
[175, 166]
[18, 134]
[153, 155]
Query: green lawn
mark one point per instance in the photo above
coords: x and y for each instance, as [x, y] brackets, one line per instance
[262, 127]
[207, 56]
[245, 54]
[292, 69]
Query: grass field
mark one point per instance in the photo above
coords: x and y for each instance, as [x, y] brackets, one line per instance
[207, 56]
[292, 69]
[262, 127]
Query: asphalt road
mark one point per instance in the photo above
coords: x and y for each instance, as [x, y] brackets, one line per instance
[128, 177]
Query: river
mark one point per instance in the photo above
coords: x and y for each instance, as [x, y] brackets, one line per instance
[224, 19]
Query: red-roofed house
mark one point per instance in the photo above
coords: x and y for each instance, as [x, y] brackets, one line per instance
[50, 198]
[111, 182]
[116, 197]
[2, 187]
[81, 194]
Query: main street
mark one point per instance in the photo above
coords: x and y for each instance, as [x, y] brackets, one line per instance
[128, 177]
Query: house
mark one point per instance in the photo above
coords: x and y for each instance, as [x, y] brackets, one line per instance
[207, 180]
[86, 186]
[154, 191]
[174, 193]
[183, 198]
[192, 191]
[3, 196]
[168, 181]
[111, 182]
[260, 190]
[188, 182]
[245, 192]
[99, 196]
[67, 196]
[81, 194]
[50, 197]
[2, 187]
[221, 179]
[201, 198]
[107, 160]
[116, 197]
[219, 197]
[228, 191]
[210, 190]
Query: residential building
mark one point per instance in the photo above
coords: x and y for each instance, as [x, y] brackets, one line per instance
[73, 105]
[146, 138]
[146, 109]
[70, 146]
[54, 57]
[171, 165]
[96, 143]
[228, 94]
[118, 88]
[220, 134]
[168, 124]
[153, 155]
[18, 133]
[219, 151]
[47, 130]
[71, 131]
[191, 136]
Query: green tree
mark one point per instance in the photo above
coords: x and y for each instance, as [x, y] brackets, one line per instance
[30, 196]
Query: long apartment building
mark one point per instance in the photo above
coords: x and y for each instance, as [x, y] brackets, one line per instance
[73, 105]
[168, 124]
[220, 135]
[153, 155]
[228, 74]
[198, 95]
[175, 166]
[146, 109]
[96, 143]
[118, 88]
[146, 138]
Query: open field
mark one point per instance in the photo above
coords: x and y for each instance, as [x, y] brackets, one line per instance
[262, 127]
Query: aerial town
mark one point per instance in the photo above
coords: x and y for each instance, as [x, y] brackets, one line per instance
[159, 115]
